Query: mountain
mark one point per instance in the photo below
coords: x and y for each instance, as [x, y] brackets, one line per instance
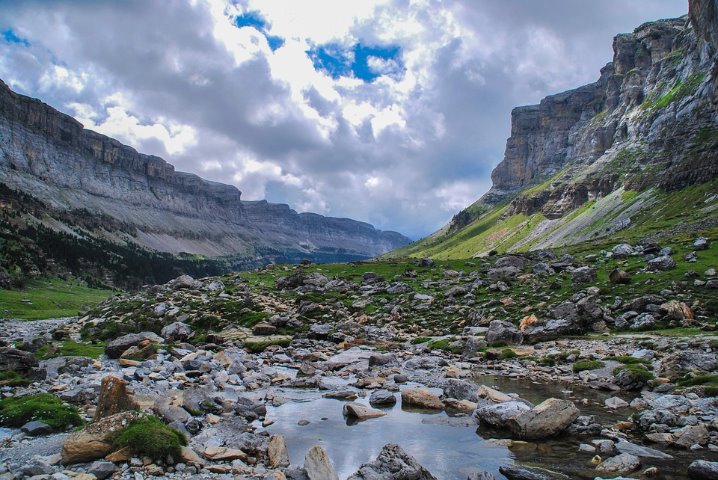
[75, 201]
[631, 156]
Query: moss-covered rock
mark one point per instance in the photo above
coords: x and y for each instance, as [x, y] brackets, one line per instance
[16, 411]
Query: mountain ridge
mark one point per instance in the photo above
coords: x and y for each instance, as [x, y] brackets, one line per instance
[51, 157]
[603, 158]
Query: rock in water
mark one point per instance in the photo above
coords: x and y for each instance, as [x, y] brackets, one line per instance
[277, 452]
[361, 412]
[498, 415]
[515, 472]
[623, 463]
[113, 398]
[318, 466]
[393, 463]
[546, 419]
[703, 470]
[421, 398]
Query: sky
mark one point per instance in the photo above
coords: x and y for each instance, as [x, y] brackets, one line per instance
[392, 112]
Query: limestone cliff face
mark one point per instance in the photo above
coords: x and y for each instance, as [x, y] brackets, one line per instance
[656, 101]
[51, 156]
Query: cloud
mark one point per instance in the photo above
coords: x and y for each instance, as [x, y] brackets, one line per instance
[390, 111]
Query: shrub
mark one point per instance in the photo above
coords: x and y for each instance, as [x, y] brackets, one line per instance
[638, 373]
[582, 365]
[17, 411]
[507, 354]
[150, 437]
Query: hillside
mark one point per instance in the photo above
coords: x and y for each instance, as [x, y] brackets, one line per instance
[629, 157]
[74, 201]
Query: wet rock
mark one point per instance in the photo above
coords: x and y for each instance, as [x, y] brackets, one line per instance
[277, 452]
[382, 397]
[515, 472]
[498, 415]
[691, 435]
[360, 412]
[113, 398]
[421, 398]
[460, 390]
[547, 419]
[318, 466]
[615, 402]
[493, 394]
[481, 476]
[500, 331]
[625, 446]
[392, 463]
[177, 332]
[623, 463]
[703, 470]
[117, 347]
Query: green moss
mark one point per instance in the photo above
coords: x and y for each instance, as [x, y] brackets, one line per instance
[637, 372]
[629, 360]
[710, 380]
[418, 340]
[13, 379]
[17, 411]
[507, 354]
[150, 437]
[582, 365]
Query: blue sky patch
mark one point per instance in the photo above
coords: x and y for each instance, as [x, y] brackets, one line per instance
[11, 37]
[365, 62]
[256, 21]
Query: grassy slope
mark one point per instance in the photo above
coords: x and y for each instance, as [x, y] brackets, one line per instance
[48, 299]
[495, 231]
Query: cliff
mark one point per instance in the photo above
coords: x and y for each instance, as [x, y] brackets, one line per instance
[64, 167]
[646, 128]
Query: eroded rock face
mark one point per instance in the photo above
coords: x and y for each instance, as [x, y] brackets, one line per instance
[392, 463]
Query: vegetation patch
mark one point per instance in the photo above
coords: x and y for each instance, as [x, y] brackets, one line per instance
[444, 344]
[418, 340]
[259, 346]
[638, 373]
[71, 348]
[629, 360]
[507, 354]
[13, 379]
[150, 437]
[17, 411]
[582, 365]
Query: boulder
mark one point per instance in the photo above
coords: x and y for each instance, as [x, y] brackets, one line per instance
[547, 419]
[382, 397]
[644, 321]
[516, 472]
[504, 274]
[500, 331]
[177, 332]
[318, 466]
[220, 454]
[382, 359]
[36, 428]
[421, 398]
[691, 435]
[264, 329]
[664, 262]
[184, 282]
[20, 361]
[583, 274]
[95, 441]
[360, 412]
[101, 469]
[493, 395]
[498, 415]
[552, 329]
[113, 397]
[623, 463]
[703, 470]
[622, 250]
[460, 390]
[277, 452]
[170, 412]
[249, 409]
[392, 463]
[619, 277]
[117, 347]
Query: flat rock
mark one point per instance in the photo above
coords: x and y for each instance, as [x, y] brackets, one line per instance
[421, 398]
[547, 419]
[623, 463]
[361, 412]
[277, 452]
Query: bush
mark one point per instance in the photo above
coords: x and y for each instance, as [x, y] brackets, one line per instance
[17, 411]
[582, 365]
[150, 437]
[638, 373]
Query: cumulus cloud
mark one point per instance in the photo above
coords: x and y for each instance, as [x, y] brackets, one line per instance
[389, 111]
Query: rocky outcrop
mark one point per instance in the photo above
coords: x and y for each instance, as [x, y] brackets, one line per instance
[143, 200]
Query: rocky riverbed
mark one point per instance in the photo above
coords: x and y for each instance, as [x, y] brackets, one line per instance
[294, 373]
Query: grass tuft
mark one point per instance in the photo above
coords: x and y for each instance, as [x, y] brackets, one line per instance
[17, 411]
[150, 437]
[582, 365]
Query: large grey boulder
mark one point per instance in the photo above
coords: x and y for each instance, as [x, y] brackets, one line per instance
[20, 361]
[498, 415]
[500, 331]
[393, 463]
[551, 329]
[664, 262]
[460, 390]
[547, 419]
[583, 274]
[118, 346]
[176, 331]
[623, 463]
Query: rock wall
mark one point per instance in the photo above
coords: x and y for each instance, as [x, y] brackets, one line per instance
[50, 156]
[656, 99]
